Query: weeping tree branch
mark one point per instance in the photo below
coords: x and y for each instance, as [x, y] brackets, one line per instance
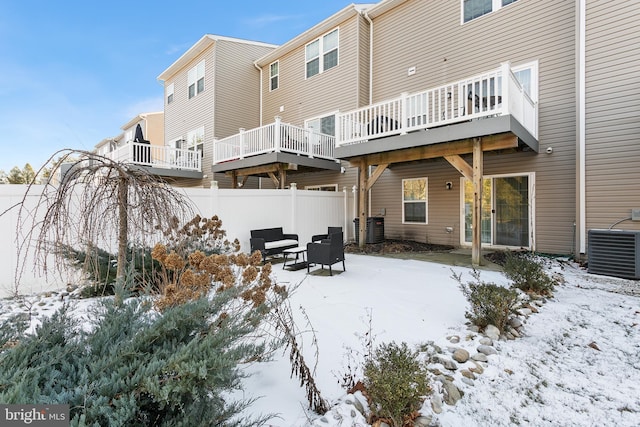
[96, 201]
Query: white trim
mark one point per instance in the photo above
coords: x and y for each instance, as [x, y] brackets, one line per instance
[426, 201]
[496, 5]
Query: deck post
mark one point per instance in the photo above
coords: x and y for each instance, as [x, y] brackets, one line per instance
[276, 133]
[362, 203]
[476, 217]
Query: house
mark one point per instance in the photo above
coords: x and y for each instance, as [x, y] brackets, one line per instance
[495, 123]
[210, 92]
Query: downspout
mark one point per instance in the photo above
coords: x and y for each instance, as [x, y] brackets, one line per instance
[366, 16]
[255, 64]
[582, 204]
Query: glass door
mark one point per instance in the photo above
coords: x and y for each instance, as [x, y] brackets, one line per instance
[505, 213]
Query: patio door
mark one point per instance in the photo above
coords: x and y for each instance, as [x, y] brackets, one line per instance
[506, 210]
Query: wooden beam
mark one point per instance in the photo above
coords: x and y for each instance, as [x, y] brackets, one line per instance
[476, 216]
[282, 175]
[459, 163]
[274, 179]
[463, 146]
[375, 175]
[244, 180]
[263, 169]
[234, 180]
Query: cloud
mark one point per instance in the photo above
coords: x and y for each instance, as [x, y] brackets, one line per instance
[269, 19]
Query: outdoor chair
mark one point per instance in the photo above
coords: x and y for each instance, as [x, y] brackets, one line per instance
[330, 231]
[326, 252]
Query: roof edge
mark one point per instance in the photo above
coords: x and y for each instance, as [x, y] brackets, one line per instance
[201, 45]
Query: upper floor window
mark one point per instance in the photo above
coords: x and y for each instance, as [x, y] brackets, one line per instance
[472, 9]
[195, 79]
[274, 73]
[195, 140]
[170, 93]
[322, 53]
[414, 201]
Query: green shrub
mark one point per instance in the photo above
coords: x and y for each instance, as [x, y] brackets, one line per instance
[134, 366]
[396, 382]
[527, 273]
[491, 304]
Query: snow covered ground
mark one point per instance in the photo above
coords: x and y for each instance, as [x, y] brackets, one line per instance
[577, 363]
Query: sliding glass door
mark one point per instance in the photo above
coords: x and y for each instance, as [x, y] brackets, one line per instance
[506, 211]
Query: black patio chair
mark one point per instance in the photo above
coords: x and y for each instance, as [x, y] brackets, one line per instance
[330, 231]
[326, 252]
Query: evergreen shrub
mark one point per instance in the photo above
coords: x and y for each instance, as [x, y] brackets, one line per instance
[134, 366]
[490, 304]
[527, 273]
[396, 382]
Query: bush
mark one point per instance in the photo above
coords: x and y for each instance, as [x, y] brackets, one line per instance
[491, 304]
[396, 382]
[527, 273]
[135, 366]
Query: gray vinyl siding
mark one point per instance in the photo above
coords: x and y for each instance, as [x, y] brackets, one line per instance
[612, 114]
[429, 36]
[334, 89]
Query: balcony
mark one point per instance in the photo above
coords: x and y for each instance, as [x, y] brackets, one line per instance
[494, 94]
[162, 161]
[276, 137]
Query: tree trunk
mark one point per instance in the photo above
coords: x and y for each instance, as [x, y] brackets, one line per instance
[123, 222]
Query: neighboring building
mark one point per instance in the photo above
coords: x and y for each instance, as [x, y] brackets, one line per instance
[425, 106]
[211, 92]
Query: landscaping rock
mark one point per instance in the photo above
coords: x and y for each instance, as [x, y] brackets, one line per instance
[467, 374]
[477, 368]
[514, 322]
[436, 403]
[487, 350]
[447, 363]
[423, 421]
[480, 357]
[460, 355]
[454, 339]
[468, 381]
[451, 393]
[486, 341]
[492, 332]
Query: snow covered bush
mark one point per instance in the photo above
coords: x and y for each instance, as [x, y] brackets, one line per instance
[134, 366]
[396, 382]
[490, 304]
[527, 273]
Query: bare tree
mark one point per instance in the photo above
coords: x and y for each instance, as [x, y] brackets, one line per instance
[95, 200]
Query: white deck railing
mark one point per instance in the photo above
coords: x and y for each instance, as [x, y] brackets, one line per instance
[484, 95]
[274, 137]
[158, 157]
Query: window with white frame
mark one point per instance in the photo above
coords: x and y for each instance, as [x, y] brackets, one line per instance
[195, 140]
[170, 93]
[326, 187]
[195, 79]
[414, 201]
[274, 74]
[472, 9]
[322, 53]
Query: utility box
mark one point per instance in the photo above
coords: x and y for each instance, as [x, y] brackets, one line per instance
[374, 231]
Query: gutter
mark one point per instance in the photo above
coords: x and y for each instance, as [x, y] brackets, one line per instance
[366, 16]
[255, 64]
[581, 131]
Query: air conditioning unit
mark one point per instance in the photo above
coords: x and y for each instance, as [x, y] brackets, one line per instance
[614, 253]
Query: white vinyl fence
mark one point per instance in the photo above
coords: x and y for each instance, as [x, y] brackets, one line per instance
[302, 212]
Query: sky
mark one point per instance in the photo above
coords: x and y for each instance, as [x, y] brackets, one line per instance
[577, 362]
[73, 72]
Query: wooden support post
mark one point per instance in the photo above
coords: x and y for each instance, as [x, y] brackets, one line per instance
[362, 201]
[476, 221]
[234, 179]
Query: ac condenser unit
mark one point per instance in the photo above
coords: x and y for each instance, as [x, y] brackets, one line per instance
[614, 253]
